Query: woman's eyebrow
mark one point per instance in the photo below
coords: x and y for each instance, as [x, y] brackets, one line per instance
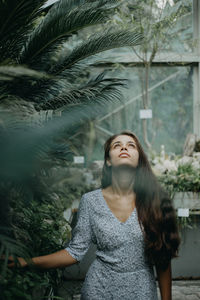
[118, 142]
[129, 142]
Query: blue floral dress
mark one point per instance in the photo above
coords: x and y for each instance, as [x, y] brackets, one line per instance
[120, 270]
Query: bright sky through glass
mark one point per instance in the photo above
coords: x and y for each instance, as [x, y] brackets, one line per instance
[49, 2]
[161, 3]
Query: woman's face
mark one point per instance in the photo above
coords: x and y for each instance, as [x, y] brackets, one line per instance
[123, 151]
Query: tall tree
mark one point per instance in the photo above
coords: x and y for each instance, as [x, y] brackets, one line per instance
[158, 21]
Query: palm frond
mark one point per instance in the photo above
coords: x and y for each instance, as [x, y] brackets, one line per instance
[46, 88]
[61, 21]
[99, 44]
[88, 91]
[23, 150]
[17, 17]
[77, 71]
[9, 73]
[69, 5]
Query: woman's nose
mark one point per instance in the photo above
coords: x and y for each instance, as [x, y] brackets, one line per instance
[123, 148]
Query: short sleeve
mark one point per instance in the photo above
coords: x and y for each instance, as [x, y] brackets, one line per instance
[81, 234]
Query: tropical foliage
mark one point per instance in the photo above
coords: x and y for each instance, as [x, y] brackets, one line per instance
[40, 225]
[47, 94]
[39, 43]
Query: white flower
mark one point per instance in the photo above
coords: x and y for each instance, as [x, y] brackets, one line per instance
[170, 165]
[155, 161]
[195, 165]
[159, 169]
[184, 160]
[196, 155]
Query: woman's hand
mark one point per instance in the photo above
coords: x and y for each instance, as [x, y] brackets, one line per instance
[12, 262]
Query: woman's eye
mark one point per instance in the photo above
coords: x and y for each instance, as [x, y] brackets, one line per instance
[115, 146]
[132, 145]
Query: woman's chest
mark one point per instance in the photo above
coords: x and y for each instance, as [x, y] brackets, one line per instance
[121, 212]
[110, 232]
[120, 207]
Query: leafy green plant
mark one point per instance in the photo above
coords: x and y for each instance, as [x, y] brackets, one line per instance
[185, 179]
[42, 228]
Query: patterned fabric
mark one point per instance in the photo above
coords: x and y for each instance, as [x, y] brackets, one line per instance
[120, 270]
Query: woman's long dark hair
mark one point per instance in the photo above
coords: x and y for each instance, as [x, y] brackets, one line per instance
[155, 210]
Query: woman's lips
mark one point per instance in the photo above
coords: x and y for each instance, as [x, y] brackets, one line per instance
[124, 155]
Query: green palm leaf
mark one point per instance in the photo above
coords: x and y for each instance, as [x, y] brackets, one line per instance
[63, 19]
[16, 19]
[78, 70]
[99, 44]
[9, 73]
[89, 91]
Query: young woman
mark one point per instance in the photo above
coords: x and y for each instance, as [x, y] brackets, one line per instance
[133, 224]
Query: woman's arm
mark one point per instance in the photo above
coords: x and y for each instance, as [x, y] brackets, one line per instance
[74, 252]
[55, 260]
[165, 282]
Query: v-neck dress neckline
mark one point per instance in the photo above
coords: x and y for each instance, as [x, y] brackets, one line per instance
[113, 215]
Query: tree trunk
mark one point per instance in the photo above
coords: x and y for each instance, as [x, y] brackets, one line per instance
[144, 128]
[91, 141]
[146, 106]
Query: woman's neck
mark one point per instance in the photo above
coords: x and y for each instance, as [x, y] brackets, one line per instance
[123, 180]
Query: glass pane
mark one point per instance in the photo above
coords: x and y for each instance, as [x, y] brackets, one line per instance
[170, 100]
